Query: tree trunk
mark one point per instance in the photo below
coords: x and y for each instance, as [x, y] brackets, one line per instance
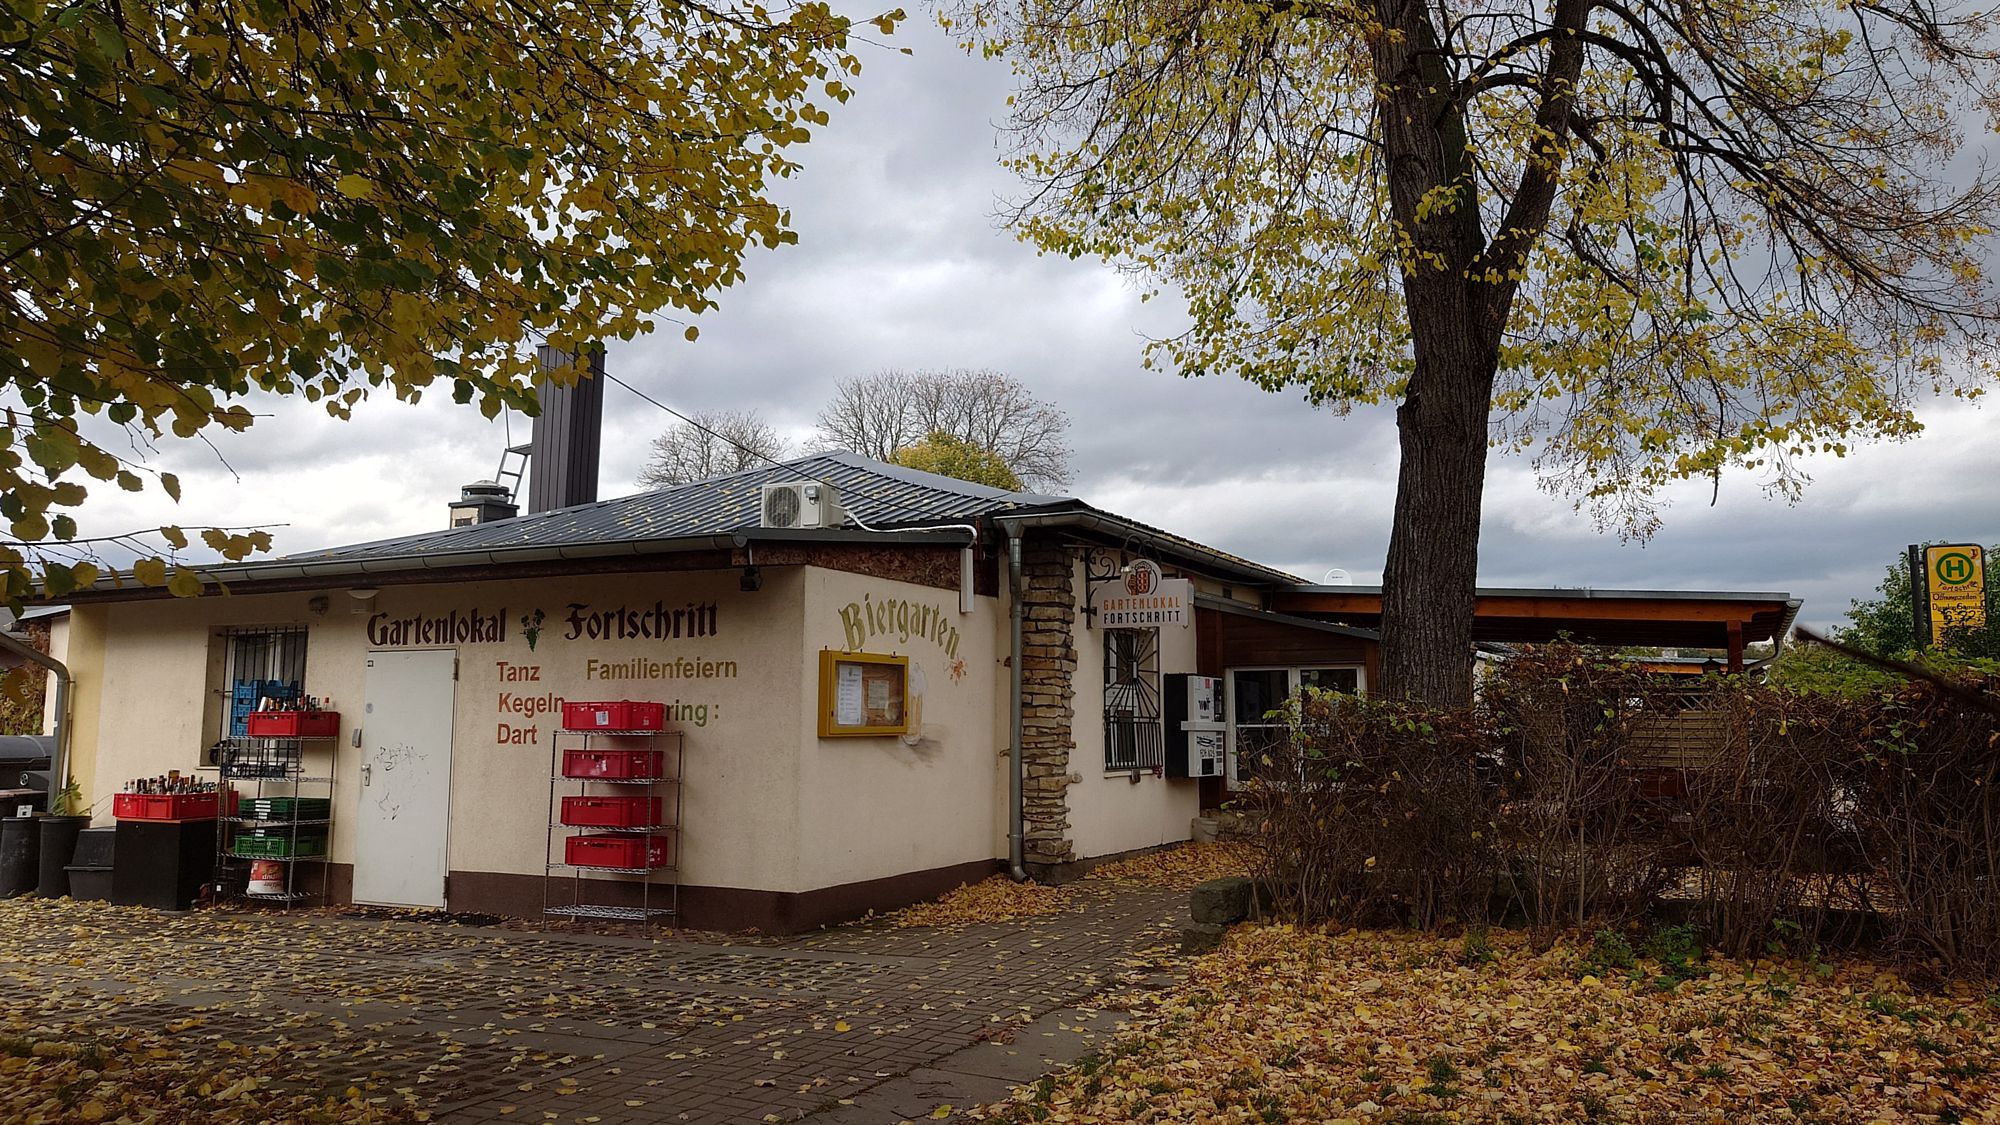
[1456, 319]
[1428, 584]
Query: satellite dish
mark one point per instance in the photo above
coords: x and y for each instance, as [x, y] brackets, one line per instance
[1337, 577]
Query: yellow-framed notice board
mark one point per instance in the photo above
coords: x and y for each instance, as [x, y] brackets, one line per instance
[863, 694]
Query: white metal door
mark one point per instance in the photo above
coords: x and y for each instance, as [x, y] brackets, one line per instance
[405, 804]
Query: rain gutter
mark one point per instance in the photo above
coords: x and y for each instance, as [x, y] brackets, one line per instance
[308, 570]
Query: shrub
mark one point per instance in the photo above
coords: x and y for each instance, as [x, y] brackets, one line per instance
[1677, 949]
[1572, 808]
[1609, 951]
[1376, 812]
[1591, 793]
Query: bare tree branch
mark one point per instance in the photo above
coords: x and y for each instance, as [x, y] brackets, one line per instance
[882, 414]
[711, 444]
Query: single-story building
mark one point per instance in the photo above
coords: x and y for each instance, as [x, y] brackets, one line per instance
[856, 663]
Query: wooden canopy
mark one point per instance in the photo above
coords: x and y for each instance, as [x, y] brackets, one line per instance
[1724, 620]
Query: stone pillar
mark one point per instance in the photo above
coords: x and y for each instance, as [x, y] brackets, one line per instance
[1048, 667]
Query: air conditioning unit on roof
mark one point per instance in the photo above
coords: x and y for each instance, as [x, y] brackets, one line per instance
[801, 504]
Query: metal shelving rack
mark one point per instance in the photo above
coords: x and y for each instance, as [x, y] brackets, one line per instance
[253, 760]
[673, 747]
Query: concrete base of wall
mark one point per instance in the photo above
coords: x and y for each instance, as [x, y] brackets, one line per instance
[1234, 824]
[701, 908]
[717, 908]
[1055, 874]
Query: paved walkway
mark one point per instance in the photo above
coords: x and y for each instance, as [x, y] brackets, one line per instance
[860, 1025]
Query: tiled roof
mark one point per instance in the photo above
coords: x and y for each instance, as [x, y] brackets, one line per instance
[880, 495]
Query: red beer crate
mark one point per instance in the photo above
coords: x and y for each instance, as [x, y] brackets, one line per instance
[168, 806]
[614, 714]
[631, 852]
[616, 765]
[610, 812]
[293, 724]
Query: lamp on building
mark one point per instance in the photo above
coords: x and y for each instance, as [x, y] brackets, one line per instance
[750, 581]
[364, 598]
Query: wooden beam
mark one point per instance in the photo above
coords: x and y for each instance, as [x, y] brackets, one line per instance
[1554, 606]
[1735, 646]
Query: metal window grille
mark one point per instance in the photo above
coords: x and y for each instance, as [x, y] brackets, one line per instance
[268, 663]
[1132, 699]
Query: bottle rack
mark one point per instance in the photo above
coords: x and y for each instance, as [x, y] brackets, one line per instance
[656, 899]
[265, 769]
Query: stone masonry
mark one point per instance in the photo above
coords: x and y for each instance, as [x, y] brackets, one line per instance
[1048, 665]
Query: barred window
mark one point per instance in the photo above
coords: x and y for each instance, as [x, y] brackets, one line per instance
[1132, 699]
[259, 664]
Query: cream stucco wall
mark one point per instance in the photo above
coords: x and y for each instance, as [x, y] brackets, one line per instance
[769, 805]
[741, 809]
[741, 783]
[1110, 812]
[874, 807]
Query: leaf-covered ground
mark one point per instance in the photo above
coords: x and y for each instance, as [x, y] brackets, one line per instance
[56, 1075]
[1286, 1025]
[122, 1013]
[1181, 867]
[1000, 899]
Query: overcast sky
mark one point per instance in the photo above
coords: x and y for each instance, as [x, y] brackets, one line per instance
[900, 263]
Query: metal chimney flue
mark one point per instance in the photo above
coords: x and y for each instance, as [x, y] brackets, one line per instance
[567, 434]
[482, 501]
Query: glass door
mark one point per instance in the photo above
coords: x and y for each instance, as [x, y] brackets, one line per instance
[1254, 693]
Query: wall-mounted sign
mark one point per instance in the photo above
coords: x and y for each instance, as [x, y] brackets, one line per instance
[657, 622]
[1143, 577]
[862, 694]
[900, 620]
[1168, 601]
[1955, 578]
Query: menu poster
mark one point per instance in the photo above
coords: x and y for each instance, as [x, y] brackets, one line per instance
[883, 685]
[847, 708]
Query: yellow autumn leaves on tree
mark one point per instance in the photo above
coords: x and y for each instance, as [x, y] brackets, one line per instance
[330, 201]
[1707, 235]
[1640, 242]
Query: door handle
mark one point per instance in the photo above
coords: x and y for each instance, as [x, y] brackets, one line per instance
[367, 774]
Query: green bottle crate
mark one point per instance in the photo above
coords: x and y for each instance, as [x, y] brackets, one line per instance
[285, 808]
[279, 845]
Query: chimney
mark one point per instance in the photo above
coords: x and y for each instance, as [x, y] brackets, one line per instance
[567, 433]
[482, 501]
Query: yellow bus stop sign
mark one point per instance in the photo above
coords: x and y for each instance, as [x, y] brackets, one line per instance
[1955, 575]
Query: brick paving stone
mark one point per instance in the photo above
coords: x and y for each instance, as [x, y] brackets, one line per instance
[459, 1019]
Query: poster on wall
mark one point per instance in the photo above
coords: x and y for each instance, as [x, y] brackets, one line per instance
[862, 694]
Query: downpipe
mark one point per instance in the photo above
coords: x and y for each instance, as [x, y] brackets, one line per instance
[1016, 828]
[59, 761]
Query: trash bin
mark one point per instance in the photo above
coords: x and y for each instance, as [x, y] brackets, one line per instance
[163, 863]
[59, 835]
[20, 854]
[90, 875]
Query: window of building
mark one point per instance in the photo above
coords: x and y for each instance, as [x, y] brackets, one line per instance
[1255, 693]
[259, 666]
[1132, 699]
